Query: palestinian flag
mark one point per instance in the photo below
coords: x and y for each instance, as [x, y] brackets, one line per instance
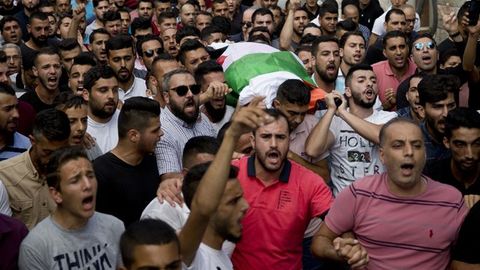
[254, 69]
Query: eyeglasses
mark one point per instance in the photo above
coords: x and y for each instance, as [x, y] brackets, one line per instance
[183, 89]
[247, 24]
[420, 45]
[151, 52]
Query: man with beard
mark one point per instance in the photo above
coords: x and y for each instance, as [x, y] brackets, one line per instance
[9, 8]
[38, 29]
[47, 68]
[23, 16]
[24, 175]
[352, 52]
[351, 136]
[437, 97]
[181, 120]
[74, 235]
[12, 143]
[127, 175]
[284, 197]
[100, 8]
[10, 30]
[391, 72]
[327, 62]
[462, 170]
[101, 92]
[211, 78]
[121, 57]
[295, 22]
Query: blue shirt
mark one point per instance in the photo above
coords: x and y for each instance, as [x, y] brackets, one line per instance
[435, 151]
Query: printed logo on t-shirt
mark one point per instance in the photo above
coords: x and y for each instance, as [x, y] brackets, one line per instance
[284, 199]
[86, 258]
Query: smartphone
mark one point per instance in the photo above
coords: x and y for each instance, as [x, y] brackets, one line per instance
[473, 12]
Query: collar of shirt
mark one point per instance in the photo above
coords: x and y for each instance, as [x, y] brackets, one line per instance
[30, 167]
[179, 121]
[284, 175]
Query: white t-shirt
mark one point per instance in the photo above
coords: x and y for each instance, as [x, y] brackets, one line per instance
[175, 216]
[209, 258]
[352, 156]
[105, 134]
[228, 114]
[4, 203]
[138, 89]
[378, 26]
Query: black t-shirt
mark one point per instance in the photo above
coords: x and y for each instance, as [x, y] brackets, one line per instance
[375, 52]
[11, 12]
[370, 14]
[124, 190]
[466, 249]
[441, 172]
[32, 98]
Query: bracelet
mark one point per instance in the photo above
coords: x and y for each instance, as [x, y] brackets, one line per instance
[455, 35]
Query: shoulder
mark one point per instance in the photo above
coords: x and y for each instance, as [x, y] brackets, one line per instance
[381, 117]
[40, 234]
[109, 222]
[443, 192]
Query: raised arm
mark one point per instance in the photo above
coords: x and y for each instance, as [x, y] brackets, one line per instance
[470, 53]
[210, 190]
[287, 30]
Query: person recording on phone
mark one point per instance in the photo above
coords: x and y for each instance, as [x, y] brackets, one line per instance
[350, 135]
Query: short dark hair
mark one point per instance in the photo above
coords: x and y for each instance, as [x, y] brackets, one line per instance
[445, 55]
[394, 34]
[383, 130]
[68, 44]
[199, 145]
[96, 2]
[348, 77]
[96, 73]
[38, 15]
[67, 100]
[52, 124]
[308, 40]
[424, 35]
[322, 39]
[165, 15]
[347, 25]
[191, 181]
[223, 23]
[84, 58]
[146, 38]
[111, 15]
[189, 45]
[328, 7]
[261, 12]
[294, 91]
[185, 32]
[59, 158]
[3, 57]
[393, 11]
[461, 117]
[209, 30]
[140, 23]
[275, 114]
[6, 19]
[6, 89]
[99, 31]
[145, 232]
[434, 88]
[119, 42]
[205, 68]
[344, 38]
[136, 112]
[45, 51]
[303, 48]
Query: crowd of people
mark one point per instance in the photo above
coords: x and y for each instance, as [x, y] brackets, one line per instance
[121, 147]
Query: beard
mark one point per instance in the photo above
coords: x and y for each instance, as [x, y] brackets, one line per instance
[40, 42]
[357, 99]
[324, 76]
[179, 112]
[216, 115]
[100, 112]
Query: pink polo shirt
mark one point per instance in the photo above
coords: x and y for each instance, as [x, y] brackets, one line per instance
[386, 79]
[275, 223]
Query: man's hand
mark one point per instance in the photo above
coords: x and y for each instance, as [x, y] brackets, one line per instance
[88, 141]
[472, 30]
[79, 12]
[390, 96]
[248, 119]
[217, 90]
[351, 250]
[471, 200]
[449, 19]
[170, 190]
[294, 4]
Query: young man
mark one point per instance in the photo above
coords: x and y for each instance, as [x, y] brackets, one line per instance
[121, 57]
[148, 48]
[328, 18]
[100, 7]
[413, 111]
[376, 207]
[295, 22]
[187, 15]
[161, 65]
[48, 69]
[352, 51]
[327, 62]
[391, 72]
[128, 175]
[101, 93]
[38, 29]
[74, 234]
[351, 136]
[98, 40]
[462, 169]
[81, 65]
[10, 30]
[437, 97]
[24, 175]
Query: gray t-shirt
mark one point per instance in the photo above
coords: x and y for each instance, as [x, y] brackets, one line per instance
[95, 246]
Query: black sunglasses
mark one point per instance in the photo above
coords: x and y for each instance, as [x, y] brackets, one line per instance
[248, 24]
[183, 89]
[149, 53]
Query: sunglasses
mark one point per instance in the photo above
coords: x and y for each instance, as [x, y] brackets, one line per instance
[183, 89]
[429, 45]
[248, 24]
[151, 52]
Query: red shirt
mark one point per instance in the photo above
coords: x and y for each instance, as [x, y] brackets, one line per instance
[278, 216]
